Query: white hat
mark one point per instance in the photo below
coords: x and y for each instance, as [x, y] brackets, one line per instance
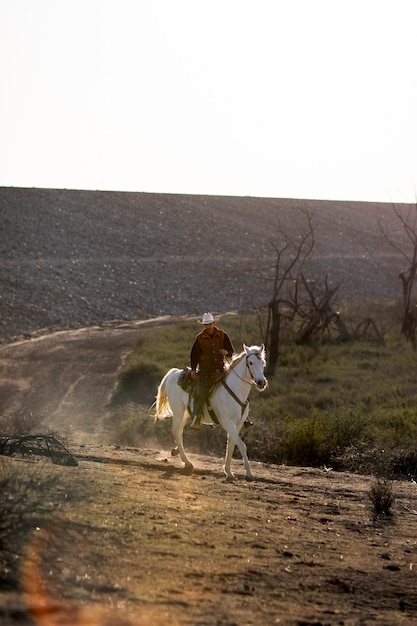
[207, 319]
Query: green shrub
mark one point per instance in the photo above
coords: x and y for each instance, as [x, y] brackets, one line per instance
[137, 382]
[305, 443]
[322, 437]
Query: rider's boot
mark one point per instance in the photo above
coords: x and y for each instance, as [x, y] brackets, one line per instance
[195, 423]
[196, 416]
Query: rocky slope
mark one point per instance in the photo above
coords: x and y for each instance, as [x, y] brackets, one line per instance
[75, 258]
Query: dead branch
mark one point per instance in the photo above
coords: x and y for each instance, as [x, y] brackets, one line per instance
[38, 445]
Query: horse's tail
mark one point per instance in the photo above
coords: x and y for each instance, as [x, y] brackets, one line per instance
[162, 406]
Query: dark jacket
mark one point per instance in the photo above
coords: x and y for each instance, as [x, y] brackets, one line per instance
[205, 352]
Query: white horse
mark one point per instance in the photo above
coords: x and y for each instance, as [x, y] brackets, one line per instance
[229, 401]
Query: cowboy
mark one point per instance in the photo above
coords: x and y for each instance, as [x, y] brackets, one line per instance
[210, 349]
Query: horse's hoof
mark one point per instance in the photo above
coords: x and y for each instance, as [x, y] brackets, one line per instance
[230, 478]
[175, 452]
[249, 477]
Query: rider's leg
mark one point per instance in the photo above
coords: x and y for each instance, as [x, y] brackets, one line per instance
[200, 398]
[197, 413]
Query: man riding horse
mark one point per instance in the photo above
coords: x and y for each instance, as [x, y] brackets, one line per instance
[210, 349]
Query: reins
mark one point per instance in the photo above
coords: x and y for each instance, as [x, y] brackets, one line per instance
[243, 405]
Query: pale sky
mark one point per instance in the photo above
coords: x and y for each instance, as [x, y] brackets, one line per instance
[313, 99]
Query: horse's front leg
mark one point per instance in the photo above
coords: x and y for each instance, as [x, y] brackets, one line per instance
[178, 432]
[233, 439]
[230, 446]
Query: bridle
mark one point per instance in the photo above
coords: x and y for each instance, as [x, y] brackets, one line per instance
[252, 381]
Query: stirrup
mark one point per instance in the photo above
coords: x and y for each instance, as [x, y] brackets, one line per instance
[247, 423]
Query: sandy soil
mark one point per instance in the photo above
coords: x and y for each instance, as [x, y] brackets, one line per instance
[131, 538]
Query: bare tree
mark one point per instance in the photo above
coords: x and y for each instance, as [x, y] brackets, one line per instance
[367, 329]
[290, 256]
[317, 311]
[408, 221]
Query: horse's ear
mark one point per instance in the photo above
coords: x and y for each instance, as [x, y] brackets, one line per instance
[245, 347]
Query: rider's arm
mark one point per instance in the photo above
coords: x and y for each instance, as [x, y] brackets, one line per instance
[195, 355]
[227, 345]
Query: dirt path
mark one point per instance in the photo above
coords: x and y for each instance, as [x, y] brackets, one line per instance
[132, 539]
[67, 376]
[129, 538]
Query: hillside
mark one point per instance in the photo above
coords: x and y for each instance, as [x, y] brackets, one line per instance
[75, 258]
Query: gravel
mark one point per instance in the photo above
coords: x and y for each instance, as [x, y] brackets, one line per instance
[77, 258]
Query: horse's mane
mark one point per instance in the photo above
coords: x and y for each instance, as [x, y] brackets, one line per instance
[235, 361]
[237, 358]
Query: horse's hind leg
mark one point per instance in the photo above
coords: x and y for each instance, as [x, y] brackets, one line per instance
[177, 432]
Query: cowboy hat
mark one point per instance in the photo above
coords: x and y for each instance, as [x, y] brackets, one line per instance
[207, 319]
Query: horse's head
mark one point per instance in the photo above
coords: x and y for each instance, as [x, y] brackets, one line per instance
[255, 362]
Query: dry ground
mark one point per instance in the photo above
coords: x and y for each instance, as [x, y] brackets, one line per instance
[130, 538]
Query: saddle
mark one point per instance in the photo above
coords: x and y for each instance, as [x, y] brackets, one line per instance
[185, 381]
[188, 384]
